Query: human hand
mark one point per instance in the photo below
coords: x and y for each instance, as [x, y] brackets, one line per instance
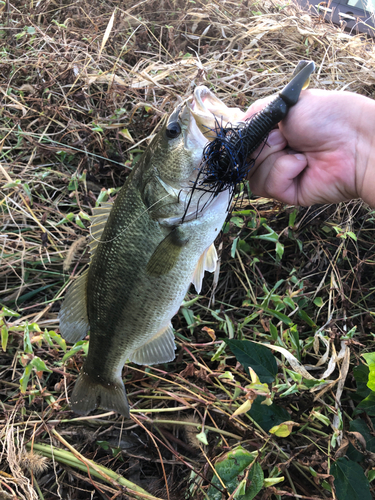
[330, 155]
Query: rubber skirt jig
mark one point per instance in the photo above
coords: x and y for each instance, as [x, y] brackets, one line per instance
[227, 159]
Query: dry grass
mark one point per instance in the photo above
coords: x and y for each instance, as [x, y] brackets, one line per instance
[80, 100]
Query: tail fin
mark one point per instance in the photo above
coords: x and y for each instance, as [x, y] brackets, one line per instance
[89, 393]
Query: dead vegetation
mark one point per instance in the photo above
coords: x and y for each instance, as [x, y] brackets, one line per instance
[83, 88]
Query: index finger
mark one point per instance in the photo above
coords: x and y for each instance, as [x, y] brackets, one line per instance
[257, 106]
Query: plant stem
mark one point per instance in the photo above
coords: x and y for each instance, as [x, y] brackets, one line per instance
[92, 468]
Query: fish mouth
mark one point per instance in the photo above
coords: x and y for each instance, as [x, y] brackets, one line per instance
[205, 114]
[211, 113]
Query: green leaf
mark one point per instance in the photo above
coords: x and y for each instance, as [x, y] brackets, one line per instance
[294, 338]
[244, 212]
[234, 246]
[4, 337]
[189, 317]
[229, 326]
[352, 235]
[82, 345]
[256, 477]
[280, 316]
[270, 294]
[361, 374]
[271, 236]
[232, 463]
[47, 339]
[359, 425]
[24, 380]
[58, 339]
[84, 215]
[368, 404]
[292, 217]
[271, 481]
[103, 196]
[5, 311]
[237, 221]
[279, 250]
[289, 302]
[104, 444]
[273, 331]
[229, 466]
[8, 185]
[27, 347]
[219, 352]
[256, 356]
[370, 360]
[79, 222]
[306, 318]
[350, 480]
[244, 246]
[39, 365]
[27, 190]
[268, 416]
[318, 301]
[202, 437]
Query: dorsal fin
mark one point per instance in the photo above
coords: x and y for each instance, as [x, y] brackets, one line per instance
[99, 220]
[74, 323]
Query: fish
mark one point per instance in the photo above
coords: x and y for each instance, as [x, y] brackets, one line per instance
[146, 249]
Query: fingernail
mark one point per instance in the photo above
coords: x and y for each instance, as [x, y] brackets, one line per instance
[275, 138]
[300, 157]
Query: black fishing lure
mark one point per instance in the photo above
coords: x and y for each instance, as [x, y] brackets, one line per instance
[227, 159]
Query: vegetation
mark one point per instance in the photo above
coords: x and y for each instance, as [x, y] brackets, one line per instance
[272, 393]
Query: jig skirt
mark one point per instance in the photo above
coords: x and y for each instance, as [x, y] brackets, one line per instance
[227, 159]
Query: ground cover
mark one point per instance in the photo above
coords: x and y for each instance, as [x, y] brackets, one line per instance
[83, 87]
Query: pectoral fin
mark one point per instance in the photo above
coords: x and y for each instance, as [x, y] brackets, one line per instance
[166, 254]
[160, 349]
[74, 322]
[206, 262]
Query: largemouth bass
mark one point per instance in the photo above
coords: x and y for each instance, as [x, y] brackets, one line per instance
[146, 250]
[143, 257]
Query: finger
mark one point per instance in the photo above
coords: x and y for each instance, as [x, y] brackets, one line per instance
[275, 142]
[277, 177]
[257, 106]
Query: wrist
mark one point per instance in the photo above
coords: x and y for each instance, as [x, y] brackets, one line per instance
[365, 151]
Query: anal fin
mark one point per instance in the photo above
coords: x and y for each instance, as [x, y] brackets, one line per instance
[74, 322]
[206, 262]
[160, 349]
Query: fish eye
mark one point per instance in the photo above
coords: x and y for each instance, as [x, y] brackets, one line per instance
[173, 130]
